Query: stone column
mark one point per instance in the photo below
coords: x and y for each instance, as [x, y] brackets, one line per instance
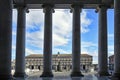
[20, 43]
[116, 39]
[76, 41]
[102, 42]
[5, 39]
[47, 54]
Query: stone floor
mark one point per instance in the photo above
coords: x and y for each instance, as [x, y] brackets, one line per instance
[64, 76]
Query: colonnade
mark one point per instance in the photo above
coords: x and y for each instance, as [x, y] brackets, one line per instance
[6, 40]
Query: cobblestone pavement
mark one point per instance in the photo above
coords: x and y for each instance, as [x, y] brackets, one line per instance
[64, 76]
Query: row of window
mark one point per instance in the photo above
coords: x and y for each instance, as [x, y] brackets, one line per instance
[83, 58]
[57, 63]
[61, 59]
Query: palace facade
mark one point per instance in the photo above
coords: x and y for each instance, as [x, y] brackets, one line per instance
[60, 62]
[111, 62]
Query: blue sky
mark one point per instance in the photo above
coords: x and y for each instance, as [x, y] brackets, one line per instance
[62, 32]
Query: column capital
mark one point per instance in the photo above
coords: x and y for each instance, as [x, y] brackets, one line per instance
[76, 6]
[102, 6]
[48, 7]
[22, 6]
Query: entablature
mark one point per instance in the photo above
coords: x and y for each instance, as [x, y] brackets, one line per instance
[63, 4]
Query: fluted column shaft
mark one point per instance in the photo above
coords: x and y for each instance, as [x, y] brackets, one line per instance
[76, 41]
[102, 42]
[20, 43]
[47, 54]
[5, 39]
[117, 38]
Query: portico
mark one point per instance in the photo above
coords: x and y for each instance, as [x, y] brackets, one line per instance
[6, 7]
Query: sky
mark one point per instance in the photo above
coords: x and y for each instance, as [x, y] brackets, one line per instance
[62, 32]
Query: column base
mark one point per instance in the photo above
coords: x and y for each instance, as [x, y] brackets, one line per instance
[6, 77]
[116, 76]
[103, 74]
[21, 75]
[47, 74]
[76, 74]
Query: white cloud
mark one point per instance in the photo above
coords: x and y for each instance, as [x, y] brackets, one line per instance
[62, 51]
[91, 49]
[59, 40]
[111, 47]
[34, 17]
[111, 53]
[85, 22]
[61, 27]
[35, 39]
[111, 36]
[62, 22]
[95, 62]
[30, 51]
[14, 16]
[88, 44]
[13, 51]
[110, 50]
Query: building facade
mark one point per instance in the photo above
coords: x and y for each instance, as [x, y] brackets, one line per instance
[111, 62]
[60, 62]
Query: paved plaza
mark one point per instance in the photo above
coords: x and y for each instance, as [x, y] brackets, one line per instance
[64, 76]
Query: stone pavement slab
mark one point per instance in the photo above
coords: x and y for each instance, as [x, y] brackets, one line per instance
[64, 76]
